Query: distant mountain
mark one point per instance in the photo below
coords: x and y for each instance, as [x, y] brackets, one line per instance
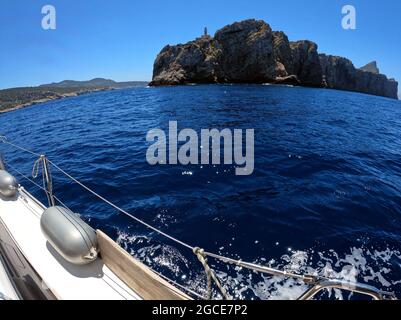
[94, 83]
[371, 67]
[16, 98]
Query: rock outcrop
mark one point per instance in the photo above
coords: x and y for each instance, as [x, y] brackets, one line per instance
[195, 62]
[340, 73]
[306, 63]
[371, 67]
[251, 52]
[246, 52]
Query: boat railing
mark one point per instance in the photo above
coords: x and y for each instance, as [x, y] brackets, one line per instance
[316, 283]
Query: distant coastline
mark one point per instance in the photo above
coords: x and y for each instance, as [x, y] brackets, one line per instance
[17, 98]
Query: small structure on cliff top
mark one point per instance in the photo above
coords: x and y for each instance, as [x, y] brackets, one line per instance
[250, 51]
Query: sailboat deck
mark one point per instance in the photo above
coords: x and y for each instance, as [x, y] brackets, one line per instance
[21, 218]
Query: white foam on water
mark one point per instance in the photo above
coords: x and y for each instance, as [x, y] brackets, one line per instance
[369, 266]
[364, 265]
[187, 173]
[161, 255]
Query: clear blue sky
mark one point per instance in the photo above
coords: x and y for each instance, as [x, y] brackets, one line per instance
[120, 39]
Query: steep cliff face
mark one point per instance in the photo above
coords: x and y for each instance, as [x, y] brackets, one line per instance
[195, 62]
[306, 63]
[296, 62]
[283, 55]
[247, 52]
[250, 52]
[340, 73]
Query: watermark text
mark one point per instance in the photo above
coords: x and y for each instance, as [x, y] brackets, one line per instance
[186, 148]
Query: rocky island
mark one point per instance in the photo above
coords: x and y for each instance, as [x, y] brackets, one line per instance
[251, 52]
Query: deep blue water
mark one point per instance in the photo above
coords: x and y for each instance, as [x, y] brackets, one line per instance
[324, 196]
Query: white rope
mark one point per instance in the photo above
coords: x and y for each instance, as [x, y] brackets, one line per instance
[263, 269]
[186, 245]
[198, 252]
[36, 167]
[120, 209]
[310, 279]
[210, 275]
[4, 140]
[66, 207]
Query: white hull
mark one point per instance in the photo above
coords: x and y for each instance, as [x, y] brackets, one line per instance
[95, 281]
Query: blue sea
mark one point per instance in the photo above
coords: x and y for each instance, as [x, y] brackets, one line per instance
[324, 198]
